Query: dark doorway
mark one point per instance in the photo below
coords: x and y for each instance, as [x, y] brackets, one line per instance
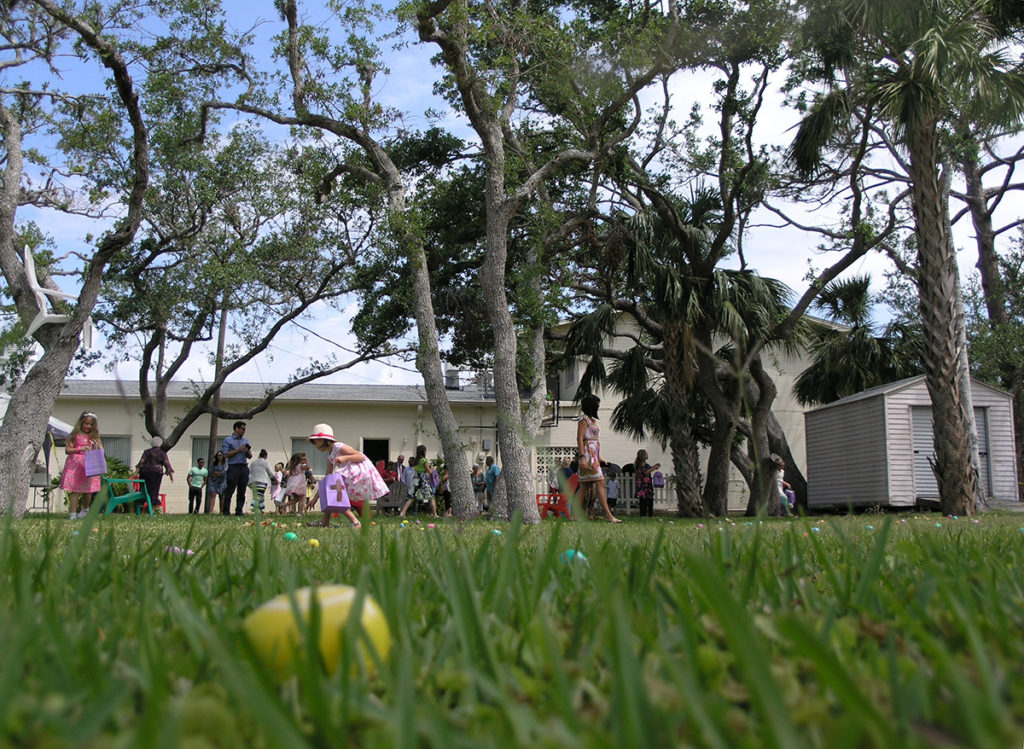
[377, 450]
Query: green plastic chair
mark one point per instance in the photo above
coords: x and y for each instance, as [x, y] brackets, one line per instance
[137, 492]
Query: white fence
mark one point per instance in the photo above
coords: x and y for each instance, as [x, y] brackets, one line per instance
[664, 497]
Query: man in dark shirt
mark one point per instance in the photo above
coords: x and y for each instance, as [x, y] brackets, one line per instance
[237, 451]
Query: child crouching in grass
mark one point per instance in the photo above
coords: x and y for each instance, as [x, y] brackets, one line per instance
[362, 480]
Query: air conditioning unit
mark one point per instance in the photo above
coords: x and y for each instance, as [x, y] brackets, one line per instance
[451, 379]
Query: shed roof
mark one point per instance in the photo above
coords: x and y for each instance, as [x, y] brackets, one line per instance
[253, 391]
[894, 387]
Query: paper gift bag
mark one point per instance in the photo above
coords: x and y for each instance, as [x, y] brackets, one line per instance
[95, 462]
[333, 493]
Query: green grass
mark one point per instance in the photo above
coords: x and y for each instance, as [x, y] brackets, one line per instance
[748, 634]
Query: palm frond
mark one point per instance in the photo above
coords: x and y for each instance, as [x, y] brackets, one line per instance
[846, 301]
[587, 334]
[828, 115]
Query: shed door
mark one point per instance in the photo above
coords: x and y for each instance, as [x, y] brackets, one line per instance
[925, 484]
[981, 424]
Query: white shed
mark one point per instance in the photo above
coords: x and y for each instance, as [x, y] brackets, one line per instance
[874, 447]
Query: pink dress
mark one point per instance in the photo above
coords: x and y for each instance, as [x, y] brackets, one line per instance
[362, 480]
[591, 451]
[73, 479]
[296, 484]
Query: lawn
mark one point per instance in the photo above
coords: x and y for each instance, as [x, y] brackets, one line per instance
[903, 630]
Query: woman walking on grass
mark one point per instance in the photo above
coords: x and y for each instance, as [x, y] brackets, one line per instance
[589, 445]
[152, 466]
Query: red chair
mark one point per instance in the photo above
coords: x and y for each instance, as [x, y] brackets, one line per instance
[558, 503]
[161, 500]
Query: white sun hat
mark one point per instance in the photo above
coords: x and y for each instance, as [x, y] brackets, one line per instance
[322, 432]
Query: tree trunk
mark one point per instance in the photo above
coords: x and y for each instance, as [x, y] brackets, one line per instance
[963, 363]
[32, 403]
[24, 426]
[940, 308]
[488, 113]
[716, 486]
[779, 445]
[683, 444]
[720, 389]
[994, 291]
[985, 236]
[512, 436]
[762, 396]
[428, 356]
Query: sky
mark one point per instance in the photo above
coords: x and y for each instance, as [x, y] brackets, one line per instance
[785, 254]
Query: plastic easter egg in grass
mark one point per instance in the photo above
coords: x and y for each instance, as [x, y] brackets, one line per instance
[570, 556]
[289, 536]
[313, 543]
[275, 632]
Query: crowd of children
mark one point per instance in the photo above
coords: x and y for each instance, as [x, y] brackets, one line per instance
[352, 477]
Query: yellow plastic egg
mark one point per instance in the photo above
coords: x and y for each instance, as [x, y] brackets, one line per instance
[273, 628]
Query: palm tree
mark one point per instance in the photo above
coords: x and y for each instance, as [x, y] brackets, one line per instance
[914, 63]
[675, 385]
[664, 296]
[856, 356]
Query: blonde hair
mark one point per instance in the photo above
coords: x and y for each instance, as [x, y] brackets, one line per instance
[77, 429]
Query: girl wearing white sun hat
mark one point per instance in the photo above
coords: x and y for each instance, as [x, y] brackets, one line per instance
[362, 480]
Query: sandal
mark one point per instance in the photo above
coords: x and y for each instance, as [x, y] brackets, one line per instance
[612, 520]
[318, 524]
[356, 526]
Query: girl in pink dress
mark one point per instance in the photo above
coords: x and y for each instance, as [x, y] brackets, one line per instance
[362, 480]
[589, 445]
[294, 492]
[79, 487]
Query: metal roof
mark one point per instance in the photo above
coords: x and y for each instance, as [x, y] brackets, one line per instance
[893, 387]
[254, 391]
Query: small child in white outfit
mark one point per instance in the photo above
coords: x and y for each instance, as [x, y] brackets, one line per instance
[612, 488]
